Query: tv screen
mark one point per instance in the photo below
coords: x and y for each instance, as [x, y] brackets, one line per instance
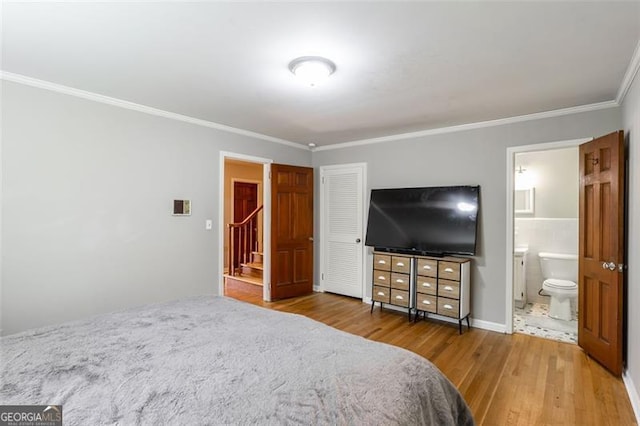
[433, 220]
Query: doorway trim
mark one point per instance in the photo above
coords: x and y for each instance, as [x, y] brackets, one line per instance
[266, 219]
[323, 226]
[511, 153]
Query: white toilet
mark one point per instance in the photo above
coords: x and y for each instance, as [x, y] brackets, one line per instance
[560, 272]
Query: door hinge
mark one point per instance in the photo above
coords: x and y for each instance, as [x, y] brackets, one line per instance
[322, 276]
[269, 175]
[322, 179]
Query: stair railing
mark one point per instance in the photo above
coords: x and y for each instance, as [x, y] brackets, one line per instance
[246, 241]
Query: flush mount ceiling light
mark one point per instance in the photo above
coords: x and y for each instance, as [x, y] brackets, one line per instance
[312, 69]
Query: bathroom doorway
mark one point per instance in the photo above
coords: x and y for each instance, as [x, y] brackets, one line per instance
[544, 182]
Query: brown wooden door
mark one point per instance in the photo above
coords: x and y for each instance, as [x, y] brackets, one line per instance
[245, 201]
[291, 231]
[601, 251]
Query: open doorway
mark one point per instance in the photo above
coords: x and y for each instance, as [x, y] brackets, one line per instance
[244, 237]
[545, 236]
[542, 240]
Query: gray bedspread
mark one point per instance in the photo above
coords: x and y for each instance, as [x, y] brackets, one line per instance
[213, 360]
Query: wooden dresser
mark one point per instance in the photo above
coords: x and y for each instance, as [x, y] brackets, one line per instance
[443, 287]
[392, 280]
[422, 284]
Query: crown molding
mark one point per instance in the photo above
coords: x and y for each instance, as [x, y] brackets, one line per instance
[54, 87]
[473, 126]
[632, 70]
[629, 76]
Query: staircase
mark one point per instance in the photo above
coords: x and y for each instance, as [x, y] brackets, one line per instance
[245, 261]
[248, 277]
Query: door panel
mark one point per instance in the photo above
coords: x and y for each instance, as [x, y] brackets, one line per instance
[245, 201]
[291, 231]
[600, 293]
[342, 229]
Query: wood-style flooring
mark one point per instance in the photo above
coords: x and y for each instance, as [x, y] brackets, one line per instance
[505, 379]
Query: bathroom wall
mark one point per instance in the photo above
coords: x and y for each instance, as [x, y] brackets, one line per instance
[555, 235]
[554, 176]
[553, 227]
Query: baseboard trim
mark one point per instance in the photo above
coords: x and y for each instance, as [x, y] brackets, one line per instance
[475, 323]
[633, 394]
[489, 325]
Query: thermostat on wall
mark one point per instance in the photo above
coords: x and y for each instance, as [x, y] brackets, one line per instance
[181, 207]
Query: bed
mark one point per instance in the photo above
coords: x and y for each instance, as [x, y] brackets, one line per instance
[215, 360]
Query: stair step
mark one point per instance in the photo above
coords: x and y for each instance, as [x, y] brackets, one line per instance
[245, 279]
[258, 266]
[257, 256]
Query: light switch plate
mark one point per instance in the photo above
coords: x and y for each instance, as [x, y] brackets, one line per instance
[208, 225]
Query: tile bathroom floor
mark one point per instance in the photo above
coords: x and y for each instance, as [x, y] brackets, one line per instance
[534, 320]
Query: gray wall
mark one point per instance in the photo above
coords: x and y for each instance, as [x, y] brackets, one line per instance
[470, 157]
[554, 175]
[631, 123]
[87, 191]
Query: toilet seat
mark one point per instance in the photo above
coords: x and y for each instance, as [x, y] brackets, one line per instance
[560, 284]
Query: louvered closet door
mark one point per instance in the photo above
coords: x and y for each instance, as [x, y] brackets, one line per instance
[342, 234]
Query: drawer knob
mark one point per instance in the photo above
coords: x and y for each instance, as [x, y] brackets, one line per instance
[399, 297]
[448, 288]
[427, 267]
[448, 306]
[399, 264]
[380, 293]
[399, 280]
[426, 285]
[426, 302]
[382, 262]
[448, 270]
[381, 277]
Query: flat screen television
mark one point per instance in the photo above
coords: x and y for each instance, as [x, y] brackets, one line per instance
[434, 221]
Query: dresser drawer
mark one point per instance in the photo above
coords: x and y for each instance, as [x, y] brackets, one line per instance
[380, 294]
[426, 303]
[381, 278]
[448, 307]
[400, 281]
[399, 297]
[449, 270]
[450, 289]
[427, 267]
[382, 262]
[401, 264]
[426, 285]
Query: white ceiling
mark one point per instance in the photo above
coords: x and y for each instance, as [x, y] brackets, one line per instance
[401, 66]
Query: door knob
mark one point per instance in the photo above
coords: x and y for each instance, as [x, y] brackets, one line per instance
[358, 240]
[609, 265]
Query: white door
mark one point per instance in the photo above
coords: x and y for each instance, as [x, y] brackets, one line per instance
[342, 239]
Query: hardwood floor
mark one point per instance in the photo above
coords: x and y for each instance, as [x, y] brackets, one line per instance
[505, 379]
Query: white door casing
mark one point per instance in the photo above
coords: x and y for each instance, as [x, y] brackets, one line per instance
[342, 231]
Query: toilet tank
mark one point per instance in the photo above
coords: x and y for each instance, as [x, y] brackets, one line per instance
[559, 266]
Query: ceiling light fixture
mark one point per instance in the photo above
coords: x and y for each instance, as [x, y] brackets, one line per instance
[312, 69]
